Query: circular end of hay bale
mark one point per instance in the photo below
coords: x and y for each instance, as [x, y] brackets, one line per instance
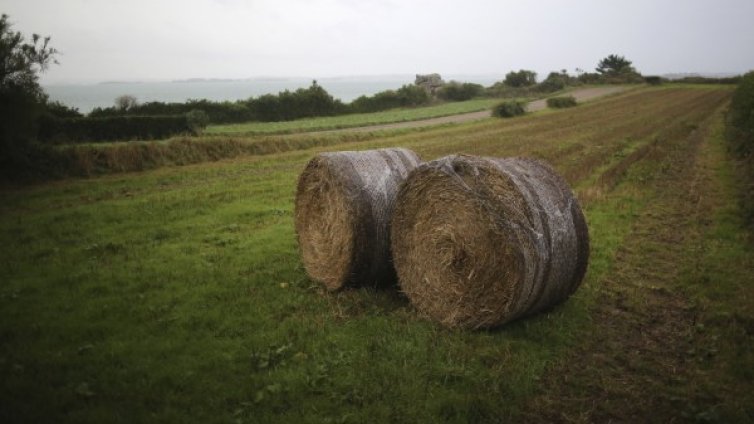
[478, 242]
[344, 202]
[325, 222]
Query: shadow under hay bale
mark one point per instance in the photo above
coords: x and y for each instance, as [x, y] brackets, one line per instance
[478, 242]
[344, 201]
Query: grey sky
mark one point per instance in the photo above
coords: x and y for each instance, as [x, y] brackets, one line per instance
[159, 39]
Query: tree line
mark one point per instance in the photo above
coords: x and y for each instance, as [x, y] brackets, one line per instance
[316, 101]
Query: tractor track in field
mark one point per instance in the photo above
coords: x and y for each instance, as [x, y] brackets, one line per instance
[638, 362]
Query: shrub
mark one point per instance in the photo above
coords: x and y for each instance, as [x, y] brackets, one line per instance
[590, 78]
[456, 91]
[741, 117]
[522, 78]
[197, 120]
[113, 128]
[406, 96]
[554, 82]
[625, 78]
[653, 80]
[413, 95]
[740, 133]
[284, 106]
[217, 112]
[500, 89]
[509, 109]
[709, 80]
[60, 110]
[383, 100]
[561, 102]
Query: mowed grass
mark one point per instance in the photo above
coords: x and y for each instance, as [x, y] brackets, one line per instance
[177, 294]
[354, 120]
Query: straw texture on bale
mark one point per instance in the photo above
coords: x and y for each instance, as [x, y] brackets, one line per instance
[478, 242]
[344, 202]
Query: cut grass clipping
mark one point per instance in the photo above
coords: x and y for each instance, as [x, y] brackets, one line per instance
[344, 202]
[561, 102]
[509, 109]
[478, 242]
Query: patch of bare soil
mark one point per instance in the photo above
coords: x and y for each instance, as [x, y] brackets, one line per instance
[638, 364]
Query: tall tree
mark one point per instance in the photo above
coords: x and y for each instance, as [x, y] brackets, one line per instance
[21, 97]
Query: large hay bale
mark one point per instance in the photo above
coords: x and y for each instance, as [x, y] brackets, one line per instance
[478, 242]
[344, 202]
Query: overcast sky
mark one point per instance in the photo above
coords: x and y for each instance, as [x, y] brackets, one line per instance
[103, 40]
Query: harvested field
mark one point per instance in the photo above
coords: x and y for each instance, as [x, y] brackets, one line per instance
[178, 294]
[647, 308]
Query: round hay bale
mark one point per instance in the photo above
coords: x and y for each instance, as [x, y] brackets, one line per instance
[344, 202]
[478, 242]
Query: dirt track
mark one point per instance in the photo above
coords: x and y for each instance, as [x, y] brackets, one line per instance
[581, 95]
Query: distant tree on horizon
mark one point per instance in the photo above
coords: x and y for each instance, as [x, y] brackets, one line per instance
[522, 78]
[125, 102]
[614, 65]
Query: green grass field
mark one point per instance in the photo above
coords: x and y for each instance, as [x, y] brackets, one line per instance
[354, 120]
[177, 295]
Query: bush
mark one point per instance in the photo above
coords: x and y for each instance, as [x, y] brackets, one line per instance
[500, 89]
[290, 105]
[198, 120]
[561, 102]
[456, 91]
[590, 78]
[411, 95]
[740, 133]
[522, 78]
[59, 110]
[284, 106]
[625, 78]
[554, 82]
[741, 118]
[709, 80]
[217, 112]
[406, 96]
[21, 114]
[509, 109]
[653, 80]
[113, 128]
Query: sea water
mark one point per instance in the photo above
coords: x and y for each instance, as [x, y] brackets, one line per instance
[86, 97]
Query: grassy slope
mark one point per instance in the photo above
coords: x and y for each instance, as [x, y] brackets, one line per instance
[354, 120]
[177, 295]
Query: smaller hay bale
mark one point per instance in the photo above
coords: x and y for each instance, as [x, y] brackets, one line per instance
[344, 203]
[478, 242]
